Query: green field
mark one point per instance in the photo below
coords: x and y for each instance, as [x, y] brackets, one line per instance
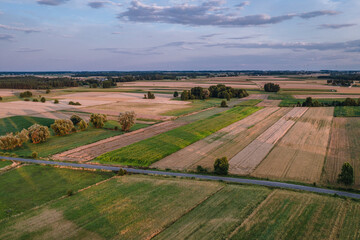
[17, 123]
[29, 186]
[194, 106]
[251, 102]
[56, 144]
[130, 207]
[347, 112]
[148, 151]
[4, 163]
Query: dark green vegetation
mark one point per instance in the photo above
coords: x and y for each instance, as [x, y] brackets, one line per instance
[32, 82]
[347, 112]
[29, 186]
[218, 91]
[56, 144]
[271, 87]
[148, 151]
[17, 123]
[347, 174]
[4, 163]
[221, 166]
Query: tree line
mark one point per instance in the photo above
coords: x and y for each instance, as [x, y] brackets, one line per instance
[32, 82]
[309, 102]
[218, 91]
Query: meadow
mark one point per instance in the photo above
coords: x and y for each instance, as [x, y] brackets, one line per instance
[148, 151]
[17, 123]
[347, 111]
[4, 163]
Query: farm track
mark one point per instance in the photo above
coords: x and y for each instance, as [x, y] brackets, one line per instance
[251, 156]
[300, 154]
[225, 142]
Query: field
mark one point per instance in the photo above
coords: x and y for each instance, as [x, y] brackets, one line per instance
[28, 186]
[148, 151]
[344, 146]
[195, 105]
[17, 123]
[300, 154]
[247, 160]
[226, 142]
[4, 163]
[347, 112]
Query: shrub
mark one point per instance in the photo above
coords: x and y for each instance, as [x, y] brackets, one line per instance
[347, 174]
[200, 169]
[176, 94]
[35, 100]
[38, 133]
[47, 91]
[271, 87]
[74, 103]
[56, 101]
[116, 128]
[150, 95]
[62, 127]
[122, 172]
[34, 155]
[98, 120]
[221, 166]
[69, 193]
[11, 141]
[75, 119]
[26, 94]
[82, 125]
[43, 99]
[26, 100]
[127, 120]
[223, 104]
[185, 95]
[0, 98]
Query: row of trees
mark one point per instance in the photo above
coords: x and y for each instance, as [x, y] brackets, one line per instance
[271, 87]
[32, 82]
[309, 102]
[218, 91]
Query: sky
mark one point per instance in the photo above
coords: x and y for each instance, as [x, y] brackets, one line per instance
[145, 35]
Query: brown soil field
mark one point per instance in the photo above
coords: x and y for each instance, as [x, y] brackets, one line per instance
[300, 154]
[182, 84]
[344, 146]
[250, 157]
[325, 96]
[225, 142]
[269, 103]
[90, 151]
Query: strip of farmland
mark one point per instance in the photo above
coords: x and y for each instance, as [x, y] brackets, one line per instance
[226, 142]
[146, 152]
[344, 147]
[246, 160]
[300, 154]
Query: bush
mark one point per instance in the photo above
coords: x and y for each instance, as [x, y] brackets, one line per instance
[34, 155]
[26, 94]
[150, 95]
[223, 104]
[347, 174]
[47, 91]
[35, 100]
[43, 99]
[185, 95]
[74, 103]
[38, 133]
[82, 125]
[1, 99]
[127, 120]
[26, 100]
[62, 127]
[75, 119]
[122, 172]
[116, 128]
[69, 193]
[221, 166]
[98, 120]
[271, 87]
[56, 101]
[176, 94]
[200, 169]
[11, 141]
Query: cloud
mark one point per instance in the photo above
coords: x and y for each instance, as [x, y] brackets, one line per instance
[336, 26]
[101, 4]
[6, 37]
[245, 37]
[207, 36]
[20, 29]
[208, 13]
[52, 2]
[29, 50]
[243, 4]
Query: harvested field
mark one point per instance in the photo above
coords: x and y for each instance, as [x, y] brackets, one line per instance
[269, 103]
[300, 154]
[226, 142]
[182, 84]
[247, 160]
[129, 207]
[344, 146]
[293, 215]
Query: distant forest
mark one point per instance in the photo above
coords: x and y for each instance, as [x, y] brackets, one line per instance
[32, 82]
[341, 79]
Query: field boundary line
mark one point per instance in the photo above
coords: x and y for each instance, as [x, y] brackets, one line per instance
[256, 210]
[187, 212]
[323, 171]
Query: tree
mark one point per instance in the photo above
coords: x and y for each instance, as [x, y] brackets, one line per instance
[83, 125]
[347, 174]
[107, 84]
[62, 127]
[350, 102]
[150, 95]
[47, 91]
[43, 100]
[271, 87]
[185, 95]
[308, 102]
[11, 141]
[221, 166]
[26, 94]
[223, 104]
[56, 101]
[176, 94]
[98, 120]
[75, 119]
[38, 133]
[127, 120]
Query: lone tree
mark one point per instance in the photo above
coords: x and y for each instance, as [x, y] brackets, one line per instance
[75, 119]
[150, 95]
[176, 94]
[62, 127]
[271, 87]
[38, 133]
[98, 120]
[347, 174]
[127, 120]
[223, 104]
[43, 99]
[221, 166]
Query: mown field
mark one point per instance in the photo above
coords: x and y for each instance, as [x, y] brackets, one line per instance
[347, 112]
[28, 186]
[144, 207]
[56, 144]
[148, 151]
